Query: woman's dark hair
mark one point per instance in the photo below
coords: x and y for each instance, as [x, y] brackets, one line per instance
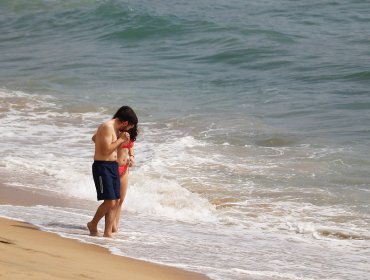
[125, 113]
[133, 133]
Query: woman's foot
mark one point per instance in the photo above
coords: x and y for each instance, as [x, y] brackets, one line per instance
[109, 235]
[114, 229]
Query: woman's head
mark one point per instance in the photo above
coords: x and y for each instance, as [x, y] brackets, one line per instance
[126, 114]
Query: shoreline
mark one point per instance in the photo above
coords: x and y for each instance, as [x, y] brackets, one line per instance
[30, 253]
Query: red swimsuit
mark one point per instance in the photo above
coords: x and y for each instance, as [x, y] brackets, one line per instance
[122, 169]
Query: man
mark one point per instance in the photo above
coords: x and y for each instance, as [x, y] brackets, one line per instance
[105, 166]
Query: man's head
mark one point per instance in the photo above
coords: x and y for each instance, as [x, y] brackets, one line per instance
[128, 119]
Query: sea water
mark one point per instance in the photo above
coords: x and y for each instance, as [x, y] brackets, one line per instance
[252, 160]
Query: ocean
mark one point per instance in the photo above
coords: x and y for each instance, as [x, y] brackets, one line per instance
[252, 160]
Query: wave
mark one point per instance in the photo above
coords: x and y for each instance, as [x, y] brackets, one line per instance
[105, 20]
[358, 76]
[52, 146]
[342, 235]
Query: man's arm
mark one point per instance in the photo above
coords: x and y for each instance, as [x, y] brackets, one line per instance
[105, 140]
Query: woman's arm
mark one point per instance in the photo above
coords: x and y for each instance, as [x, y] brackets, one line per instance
[131, 154]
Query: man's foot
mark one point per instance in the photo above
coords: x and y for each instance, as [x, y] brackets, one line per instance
[109, 235]
[93, 230]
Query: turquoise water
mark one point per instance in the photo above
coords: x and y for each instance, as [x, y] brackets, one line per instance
[288, 63]
[254, 127]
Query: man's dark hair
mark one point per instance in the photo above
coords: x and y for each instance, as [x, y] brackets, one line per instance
[125, 113]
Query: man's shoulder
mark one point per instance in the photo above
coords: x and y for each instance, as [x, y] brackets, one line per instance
[106, 127]
[109, 123]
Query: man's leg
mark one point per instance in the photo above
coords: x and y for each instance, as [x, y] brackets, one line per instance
[109, 219]
[103, 209]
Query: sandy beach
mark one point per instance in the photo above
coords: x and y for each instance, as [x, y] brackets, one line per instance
[28, 253]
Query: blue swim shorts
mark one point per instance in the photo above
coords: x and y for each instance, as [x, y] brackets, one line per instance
[106, 178]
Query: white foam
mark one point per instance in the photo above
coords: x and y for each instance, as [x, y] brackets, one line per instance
[190, 246]
[53, 149]
[47, 146]
[177, 175]
[166, 198]
[269, 274]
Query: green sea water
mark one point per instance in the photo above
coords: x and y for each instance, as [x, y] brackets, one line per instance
[254, 120]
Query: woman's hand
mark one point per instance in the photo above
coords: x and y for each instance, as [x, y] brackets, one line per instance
[132, 160]
[125, 136]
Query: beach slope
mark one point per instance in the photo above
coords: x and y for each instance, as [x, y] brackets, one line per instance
[28, 253]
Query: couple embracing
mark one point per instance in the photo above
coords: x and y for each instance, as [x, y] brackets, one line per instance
[114, 154]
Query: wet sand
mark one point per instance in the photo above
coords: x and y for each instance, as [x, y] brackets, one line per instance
[28, 253]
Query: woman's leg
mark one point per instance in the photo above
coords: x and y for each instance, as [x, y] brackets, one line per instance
[124, 186]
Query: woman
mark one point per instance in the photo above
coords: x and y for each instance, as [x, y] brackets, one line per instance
[125, 159]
